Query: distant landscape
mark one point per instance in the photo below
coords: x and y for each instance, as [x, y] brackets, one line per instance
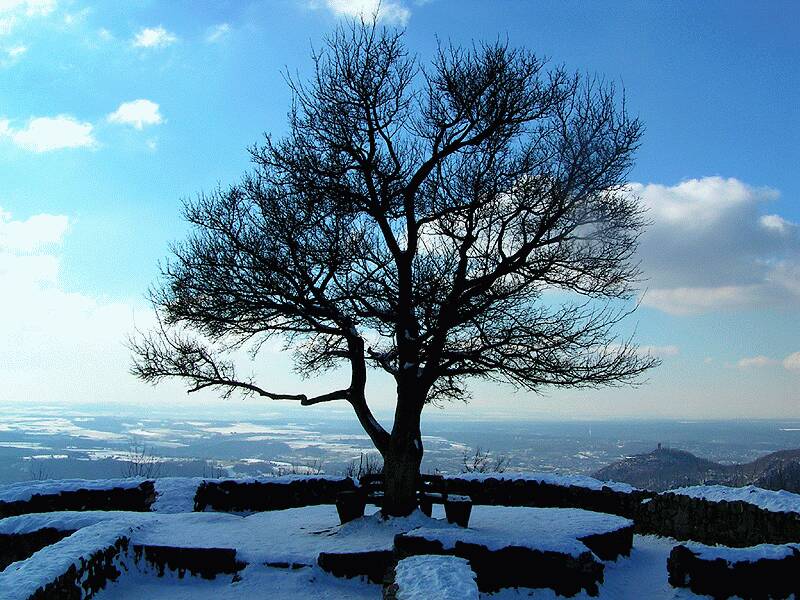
[54, 443]
[668, 468]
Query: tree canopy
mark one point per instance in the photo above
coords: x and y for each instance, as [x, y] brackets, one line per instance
[463, 219]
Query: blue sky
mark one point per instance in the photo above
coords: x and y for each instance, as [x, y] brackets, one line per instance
[111, 112]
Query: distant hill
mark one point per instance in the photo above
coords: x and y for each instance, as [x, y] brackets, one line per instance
[666, 468]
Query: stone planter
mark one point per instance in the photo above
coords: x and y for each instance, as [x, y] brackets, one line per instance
[350, 505]
[457, 509]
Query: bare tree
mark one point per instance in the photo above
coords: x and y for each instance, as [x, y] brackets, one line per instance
[368, 464]
[140, 461]
[38, 471]
[481, 461]
[469, 215]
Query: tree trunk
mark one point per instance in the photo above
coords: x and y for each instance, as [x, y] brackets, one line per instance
[401, 471]
[403, 457]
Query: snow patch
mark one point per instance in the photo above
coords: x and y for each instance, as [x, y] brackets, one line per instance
[429, 577]
[773, 501]
[744, 555]
[543, 529]
[21, 579]
[25, 490]
[558, 479]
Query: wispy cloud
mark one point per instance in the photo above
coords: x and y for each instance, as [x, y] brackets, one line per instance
[217, 33]
[756, 362]
[11, 55]
[661, 351]
[53, 334]
[44, 134]
[389, 11]
[790, 362]
[14, 12]
[154, 37]
[137, 113]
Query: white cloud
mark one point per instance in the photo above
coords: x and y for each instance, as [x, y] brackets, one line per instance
[682, 301]
[218, 33]
[58, 345]
[756, 362]
[777, 223]
[154, 37]
[13, 12]
[390, 11]
[711, 248]
[31, 8]
[16, 51]
[792, 362]
[12, 55]
[661, 351]
[37, 233]
[43, 134]
[137, 113]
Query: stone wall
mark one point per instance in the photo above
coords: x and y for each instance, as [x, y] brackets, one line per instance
[757, 579]
[130, 498]
[83, 580]
[523, 492]
[203, 562]
[237, 496]
[736, 524]
[19, 546]
[514, 566]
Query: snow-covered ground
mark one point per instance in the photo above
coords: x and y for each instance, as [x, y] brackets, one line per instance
[560, 479]
[774, 501]
[747, 555]
[23, 491]
[545, 529]
[297, 536]
[435, 578]
[256, 582]
[641, 576]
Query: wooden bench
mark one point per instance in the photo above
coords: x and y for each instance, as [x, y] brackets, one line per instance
[430, 491]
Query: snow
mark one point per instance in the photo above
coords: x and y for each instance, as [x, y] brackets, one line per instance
[176, 494]
[748, 554]
[544, 529]
[428, 577]
[21, 579]
[773, 501]
[24, 491]
[642, 575]
[66, 520]
[551, 479]
[256, 582]
[299, 535]
[294, 535]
